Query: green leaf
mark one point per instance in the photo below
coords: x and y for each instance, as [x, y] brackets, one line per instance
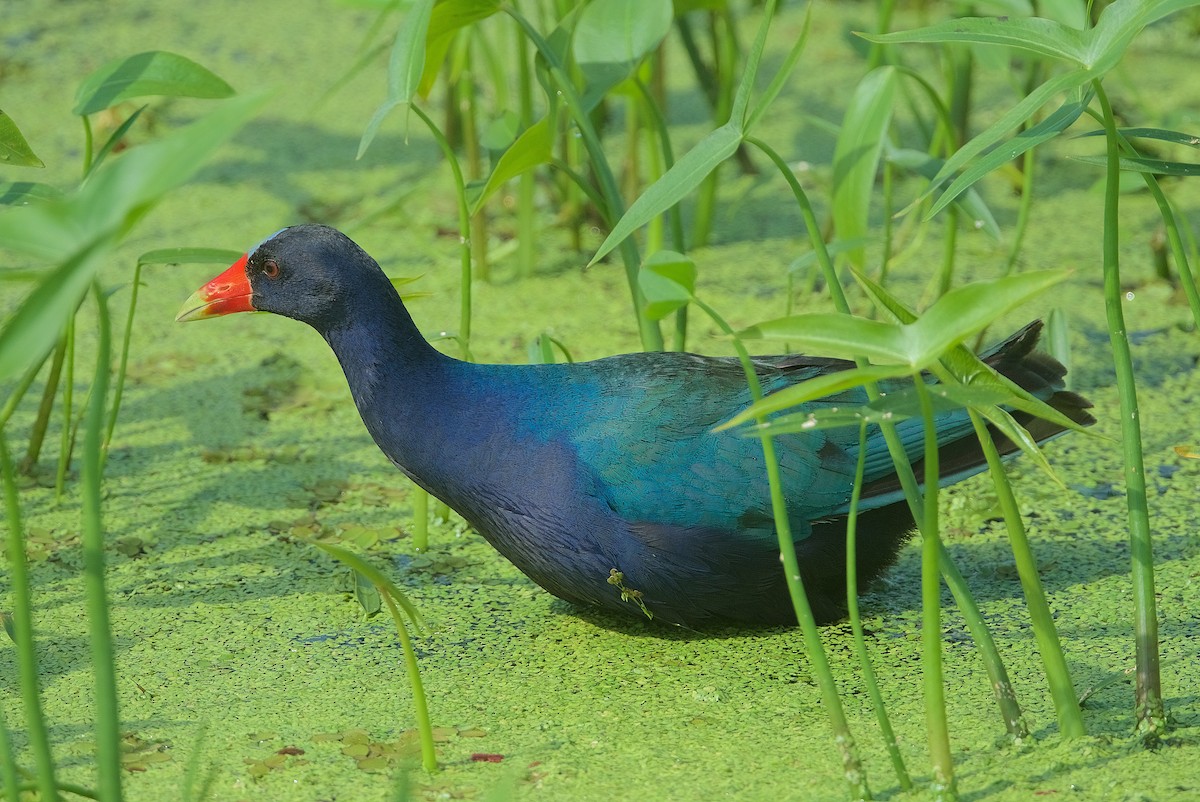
[965, 311]
[1031, 34]
[1008, 426]
[19, 193]
[966, 366]
[113, 139]
[374, 575]
[31, 331]
[957, 315]
[367, 594]
[189, 256]
[620, 31]
[405, 65]
[1001, 154]
[531, 149]
[1139, 164]
[1162, 134]
[156, 72]
[14, 150]
[976, 212]
[668, 282]
[856, 155]
[612, 37]
[741, 95]
[822, 418]
[782, 75]
[684, 176]
[447, 19]
[836, 335]
[811, 389]
[1120, 23]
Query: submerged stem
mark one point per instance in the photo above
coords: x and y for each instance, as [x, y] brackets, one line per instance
[108, 722]
[26, 654]
[860, 644]
[1062, 691]
[1148, 705]
[931, 607]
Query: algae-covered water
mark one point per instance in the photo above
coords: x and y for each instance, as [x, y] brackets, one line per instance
[237, 643]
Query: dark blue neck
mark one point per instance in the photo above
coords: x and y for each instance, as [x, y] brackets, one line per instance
[397, 379]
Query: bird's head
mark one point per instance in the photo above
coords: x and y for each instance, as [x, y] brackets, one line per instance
[310, 273]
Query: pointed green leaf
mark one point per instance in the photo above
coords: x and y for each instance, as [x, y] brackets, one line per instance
[1140, 164]
[856, 155]
[620, 31]
[1161, 134]
[156, 72]
[367, 594]
[19, 193]
[1120, 23]
[966, 366]
[405, 65]
[113, 140]
[1005, 153]
[1008, 426]
[447, 19]
[531, 149]
[377, 577]
[1031, 34]
[782, 75]
[823, 418]
[31, 331]
[667, 280]
[970, 203]
[818, 387]
[836, 335]
[684, 176]
[965, 311]
[14, 150]
[741, 95]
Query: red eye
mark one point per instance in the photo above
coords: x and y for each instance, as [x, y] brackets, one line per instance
[270, 268]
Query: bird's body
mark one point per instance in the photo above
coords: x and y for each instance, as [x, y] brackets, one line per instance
[603, 481]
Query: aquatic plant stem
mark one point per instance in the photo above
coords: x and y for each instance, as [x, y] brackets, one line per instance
[1149, 715]
[37, 434]
[852, 768]
[420, 502]
[104, 694]
[1054, 663]
[931, 608]
[393, 596]
[66, 441]
[989, 653]
[18, 392]
[860, 644]
[8, 764]
[26, 655]
[420, 704]
[123, 363]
